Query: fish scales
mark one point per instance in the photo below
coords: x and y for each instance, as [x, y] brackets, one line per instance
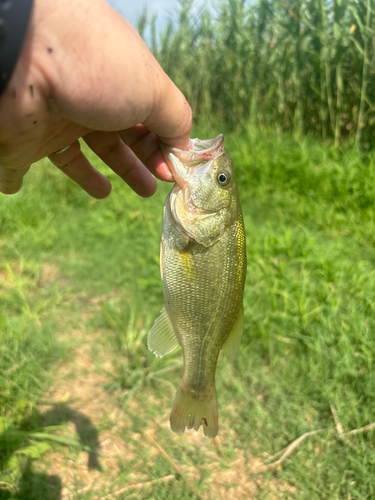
[203, 262]
[191, 301]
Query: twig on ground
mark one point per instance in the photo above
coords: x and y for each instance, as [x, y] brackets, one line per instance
[339, 427]
[290, 448]
[5, 486]
[294, 444]
[366, 428]
[140, 486]
[174, 465]
[218, 446]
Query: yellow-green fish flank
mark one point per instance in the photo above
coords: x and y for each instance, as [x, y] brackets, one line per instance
[203, 267]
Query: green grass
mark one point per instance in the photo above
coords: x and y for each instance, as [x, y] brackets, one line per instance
[309, 315]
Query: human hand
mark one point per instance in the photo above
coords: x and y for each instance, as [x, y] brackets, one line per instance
[85, 72]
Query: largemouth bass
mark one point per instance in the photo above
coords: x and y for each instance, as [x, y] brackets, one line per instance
[203, 267]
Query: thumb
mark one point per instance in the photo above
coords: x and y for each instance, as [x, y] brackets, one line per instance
[171, 117]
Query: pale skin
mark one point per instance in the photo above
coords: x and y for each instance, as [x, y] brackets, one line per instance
[85, 72]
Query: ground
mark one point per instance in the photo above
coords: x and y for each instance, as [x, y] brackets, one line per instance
[78, 398]
[84, 406]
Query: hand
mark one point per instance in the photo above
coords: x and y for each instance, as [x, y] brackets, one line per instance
[85, 72]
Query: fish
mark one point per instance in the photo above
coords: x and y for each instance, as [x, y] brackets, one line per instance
[203, 269]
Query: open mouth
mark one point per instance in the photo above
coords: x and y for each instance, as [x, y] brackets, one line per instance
[208, 148]
[183, 163]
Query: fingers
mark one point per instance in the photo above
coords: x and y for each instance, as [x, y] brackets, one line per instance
[133, 154]
[76, 166]
[146, 146]
[110, 147]
[11, 179]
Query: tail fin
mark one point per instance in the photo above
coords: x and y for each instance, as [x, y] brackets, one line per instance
[192, 409]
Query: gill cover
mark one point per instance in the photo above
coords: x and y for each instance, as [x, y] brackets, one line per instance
[201, 199]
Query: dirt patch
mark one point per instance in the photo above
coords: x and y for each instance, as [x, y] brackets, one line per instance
[78, 399]
[243, 480]
[6, 272]
[48, 273]
[4, 275]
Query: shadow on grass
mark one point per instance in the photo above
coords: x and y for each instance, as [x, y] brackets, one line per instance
[36, 485]
[87, 433]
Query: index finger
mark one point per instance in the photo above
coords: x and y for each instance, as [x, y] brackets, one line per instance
[146, 146]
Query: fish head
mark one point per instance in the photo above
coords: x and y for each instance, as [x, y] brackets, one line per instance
[202, 198]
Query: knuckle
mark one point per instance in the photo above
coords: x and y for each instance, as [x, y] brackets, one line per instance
[131, 165]
[110, 148]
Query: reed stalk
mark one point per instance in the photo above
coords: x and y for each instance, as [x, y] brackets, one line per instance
[293, 65]
[365, 68]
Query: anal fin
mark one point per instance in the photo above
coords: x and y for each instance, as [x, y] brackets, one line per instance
[162, 339]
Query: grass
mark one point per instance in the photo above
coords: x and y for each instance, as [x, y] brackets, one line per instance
[309, 319]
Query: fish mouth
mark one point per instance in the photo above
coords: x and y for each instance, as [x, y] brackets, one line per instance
[201, 152]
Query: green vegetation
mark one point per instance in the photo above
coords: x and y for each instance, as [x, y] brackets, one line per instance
[77, 273]
[296, 66]
[308, 344]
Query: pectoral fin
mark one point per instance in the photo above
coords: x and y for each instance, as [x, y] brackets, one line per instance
[232, 344]
[162, 339]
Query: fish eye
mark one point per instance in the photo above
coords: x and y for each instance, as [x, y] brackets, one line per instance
[223, 178]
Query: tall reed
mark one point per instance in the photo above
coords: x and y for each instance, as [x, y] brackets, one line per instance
[303, 66]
